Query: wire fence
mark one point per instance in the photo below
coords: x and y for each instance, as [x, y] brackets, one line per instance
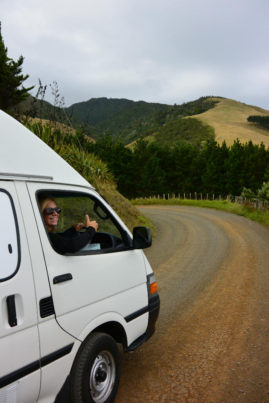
[254, 202]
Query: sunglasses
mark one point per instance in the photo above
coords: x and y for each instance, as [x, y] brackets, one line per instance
[50, 210]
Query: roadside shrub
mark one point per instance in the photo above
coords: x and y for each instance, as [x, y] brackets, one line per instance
[263, 192]
[247, 193]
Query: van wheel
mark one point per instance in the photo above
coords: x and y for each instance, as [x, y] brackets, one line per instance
[95, 374]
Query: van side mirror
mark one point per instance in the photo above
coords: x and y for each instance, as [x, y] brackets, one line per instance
[141, 238]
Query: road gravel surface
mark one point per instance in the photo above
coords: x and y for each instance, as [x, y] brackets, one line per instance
[212, 337]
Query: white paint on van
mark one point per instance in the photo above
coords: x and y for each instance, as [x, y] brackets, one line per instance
[23, 155]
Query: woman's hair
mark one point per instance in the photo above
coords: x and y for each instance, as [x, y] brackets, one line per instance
[44, 202]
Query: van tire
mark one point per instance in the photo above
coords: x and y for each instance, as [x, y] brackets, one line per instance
[95, 374]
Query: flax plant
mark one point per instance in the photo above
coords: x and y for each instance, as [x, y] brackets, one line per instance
[87, 164]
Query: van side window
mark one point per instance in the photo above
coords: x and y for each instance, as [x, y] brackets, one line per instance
[9, 239]
[64, 213]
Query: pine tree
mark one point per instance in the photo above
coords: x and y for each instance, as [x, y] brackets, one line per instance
[11, 78]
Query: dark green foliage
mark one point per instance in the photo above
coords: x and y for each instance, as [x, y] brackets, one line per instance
[11, 78]
[213, 168]
[200, 105]
[120, 118]
[262, 121]
[153, 168]
[263, 193]
[116, 156]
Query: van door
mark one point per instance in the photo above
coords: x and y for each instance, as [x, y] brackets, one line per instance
[104, 281]
[19, 341]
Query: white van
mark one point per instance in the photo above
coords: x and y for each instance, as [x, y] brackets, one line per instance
[64, 314]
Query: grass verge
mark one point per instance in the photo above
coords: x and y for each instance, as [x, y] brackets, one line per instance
[245, 210]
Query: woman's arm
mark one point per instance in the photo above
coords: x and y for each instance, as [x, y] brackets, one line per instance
[71, 244]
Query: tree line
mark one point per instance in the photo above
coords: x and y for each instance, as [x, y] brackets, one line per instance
[262, 121]
[150, 169]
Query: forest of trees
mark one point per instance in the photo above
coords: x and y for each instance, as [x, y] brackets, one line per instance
[151, 169]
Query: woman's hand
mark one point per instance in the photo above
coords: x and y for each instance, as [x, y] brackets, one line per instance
[90, 223]
[79, 226]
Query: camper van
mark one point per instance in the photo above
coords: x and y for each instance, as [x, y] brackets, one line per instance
[67, 312]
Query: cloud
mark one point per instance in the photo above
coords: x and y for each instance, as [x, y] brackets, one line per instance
[158, 50]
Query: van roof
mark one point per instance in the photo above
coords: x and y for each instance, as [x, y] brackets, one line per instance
[24, 156]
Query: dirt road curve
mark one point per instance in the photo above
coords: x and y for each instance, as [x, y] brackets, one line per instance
[212, 339]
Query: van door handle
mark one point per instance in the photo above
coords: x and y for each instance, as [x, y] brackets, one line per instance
[11, 311]
[62, 278]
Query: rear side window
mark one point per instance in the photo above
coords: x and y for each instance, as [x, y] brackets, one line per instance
[9, 245]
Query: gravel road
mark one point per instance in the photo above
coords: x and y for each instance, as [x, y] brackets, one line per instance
[212, 338]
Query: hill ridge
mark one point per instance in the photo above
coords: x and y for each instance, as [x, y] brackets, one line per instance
[229, 120]
[128, 120]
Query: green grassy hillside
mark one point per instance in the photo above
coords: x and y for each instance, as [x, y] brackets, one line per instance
[189, 130]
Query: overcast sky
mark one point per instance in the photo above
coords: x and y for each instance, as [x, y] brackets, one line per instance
[168, 51]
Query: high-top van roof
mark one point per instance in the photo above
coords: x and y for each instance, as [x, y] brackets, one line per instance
[24, 156]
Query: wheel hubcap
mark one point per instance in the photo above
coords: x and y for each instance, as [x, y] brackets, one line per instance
[102, 376]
